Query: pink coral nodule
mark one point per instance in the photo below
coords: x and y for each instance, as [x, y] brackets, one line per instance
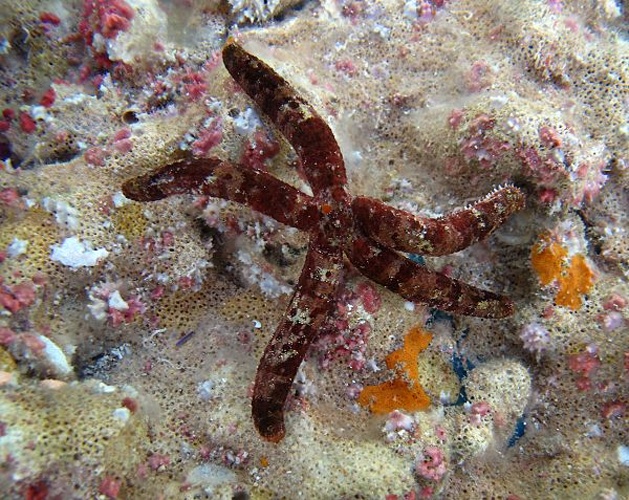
[431, 464]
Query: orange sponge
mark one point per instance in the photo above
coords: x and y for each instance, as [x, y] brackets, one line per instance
[573, 275]
[576, 281]
[404, 392]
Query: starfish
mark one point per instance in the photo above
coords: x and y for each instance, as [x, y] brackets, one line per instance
[341, 227]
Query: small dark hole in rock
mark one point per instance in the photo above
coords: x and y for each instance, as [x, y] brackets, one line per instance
[5, 147]
[130, 116]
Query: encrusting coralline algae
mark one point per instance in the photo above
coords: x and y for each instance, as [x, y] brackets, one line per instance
[130, 333]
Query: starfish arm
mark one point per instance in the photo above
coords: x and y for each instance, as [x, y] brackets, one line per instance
[305, 318]
[419, 284]
[304, 129]
[403, 231]
[220, 179]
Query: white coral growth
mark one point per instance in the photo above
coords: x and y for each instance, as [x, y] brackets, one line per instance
[535, 338]
[75, 253]
[258, 10]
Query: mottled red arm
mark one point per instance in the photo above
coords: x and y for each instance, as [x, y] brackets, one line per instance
[419, 284]
[304, 320]
[220, 179]
[403, 231]
[302, 126]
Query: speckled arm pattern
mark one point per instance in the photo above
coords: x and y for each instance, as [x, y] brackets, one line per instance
[364, 230]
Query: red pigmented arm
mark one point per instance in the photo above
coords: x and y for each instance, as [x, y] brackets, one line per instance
[303, 321]
[419, 284]
[302, 126]
[220, 179]
[403, 231]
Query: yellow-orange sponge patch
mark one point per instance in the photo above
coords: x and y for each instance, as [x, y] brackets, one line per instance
[404, 392]
[573, 275]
